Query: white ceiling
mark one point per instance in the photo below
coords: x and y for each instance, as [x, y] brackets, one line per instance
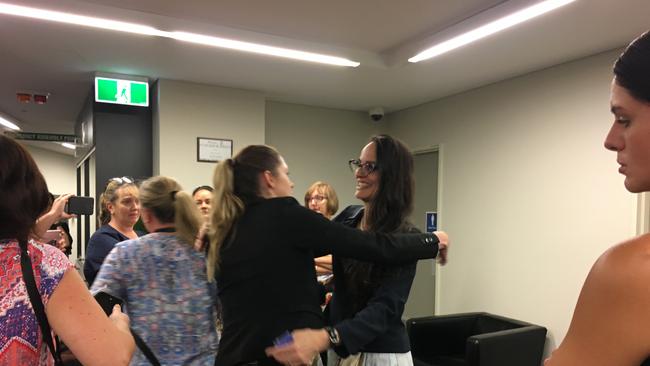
[61, 59]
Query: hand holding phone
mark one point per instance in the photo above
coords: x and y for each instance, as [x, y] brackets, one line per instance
[107, 301]
[80, 205]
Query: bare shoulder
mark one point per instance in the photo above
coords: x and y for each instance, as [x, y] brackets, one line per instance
[611, 322]
[628, 262]
[620, 280]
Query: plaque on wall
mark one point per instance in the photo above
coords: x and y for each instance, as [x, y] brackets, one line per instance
[211, 150]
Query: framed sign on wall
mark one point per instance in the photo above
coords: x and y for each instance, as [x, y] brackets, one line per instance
[212, 150]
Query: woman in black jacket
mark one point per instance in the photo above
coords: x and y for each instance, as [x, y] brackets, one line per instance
[262, 249]
[368, 302]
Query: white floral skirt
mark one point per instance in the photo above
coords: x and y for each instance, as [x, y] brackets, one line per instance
[375, 359]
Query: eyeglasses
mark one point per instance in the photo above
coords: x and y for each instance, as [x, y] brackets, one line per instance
[317, 198]
[121, 180]
[362, 169]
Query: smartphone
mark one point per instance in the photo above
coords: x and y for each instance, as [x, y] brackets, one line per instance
[80, 205]
[51, 237]
[107, 301]
[284, 339]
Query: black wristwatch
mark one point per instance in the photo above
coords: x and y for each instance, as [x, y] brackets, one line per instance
[333, 336]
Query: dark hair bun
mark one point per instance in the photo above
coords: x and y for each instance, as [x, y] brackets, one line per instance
[632, 68]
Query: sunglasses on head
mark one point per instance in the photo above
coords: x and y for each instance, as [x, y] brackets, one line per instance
[121, 180]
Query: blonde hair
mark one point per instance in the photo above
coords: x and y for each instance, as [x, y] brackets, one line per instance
[110, 195]
[235, 181]
[170, 204]
[330, 195]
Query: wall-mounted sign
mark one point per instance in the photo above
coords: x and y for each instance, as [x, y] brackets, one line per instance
[34, 136]
[120, 91]
[213, 150]
[432, 221]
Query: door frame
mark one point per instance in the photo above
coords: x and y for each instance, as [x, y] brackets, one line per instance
[440, 209]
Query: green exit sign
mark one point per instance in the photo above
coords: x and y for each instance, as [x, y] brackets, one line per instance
[120, 91]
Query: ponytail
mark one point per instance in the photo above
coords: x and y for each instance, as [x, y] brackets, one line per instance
[165, 198]
[187, 219]
[104, 214]
[236, 181]
[225, 212]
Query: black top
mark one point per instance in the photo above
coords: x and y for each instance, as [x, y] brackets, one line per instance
[375, 325]
[267, 281]
[100, 244]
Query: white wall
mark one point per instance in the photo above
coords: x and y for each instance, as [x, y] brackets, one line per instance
[185, 111]
[58, 169]
[529, 195]
[317, 144]
[60, 174]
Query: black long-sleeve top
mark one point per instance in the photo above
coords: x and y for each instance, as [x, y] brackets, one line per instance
[267, 281]
[376, 324]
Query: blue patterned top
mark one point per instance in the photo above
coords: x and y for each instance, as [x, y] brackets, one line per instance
[163, 283]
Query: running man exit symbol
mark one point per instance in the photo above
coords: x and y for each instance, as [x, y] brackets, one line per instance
[123, 92]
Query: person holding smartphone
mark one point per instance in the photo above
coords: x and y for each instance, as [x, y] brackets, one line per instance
[70, 310]
[56, 212]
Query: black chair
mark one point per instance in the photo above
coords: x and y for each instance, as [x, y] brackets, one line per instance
[475, 339]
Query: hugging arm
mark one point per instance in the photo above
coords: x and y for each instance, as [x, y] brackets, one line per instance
[313, 231]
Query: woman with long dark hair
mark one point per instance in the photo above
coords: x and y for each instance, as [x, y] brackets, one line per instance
[262, 249]
[369, 298]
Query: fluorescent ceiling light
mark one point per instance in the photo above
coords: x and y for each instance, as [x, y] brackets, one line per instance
[56, 16]
[259, 48]
[490, 28]
[61, 17]
[68, 145]
[8, 124]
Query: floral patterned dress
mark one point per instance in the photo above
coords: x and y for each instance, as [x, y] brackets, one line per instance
[20, 338]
